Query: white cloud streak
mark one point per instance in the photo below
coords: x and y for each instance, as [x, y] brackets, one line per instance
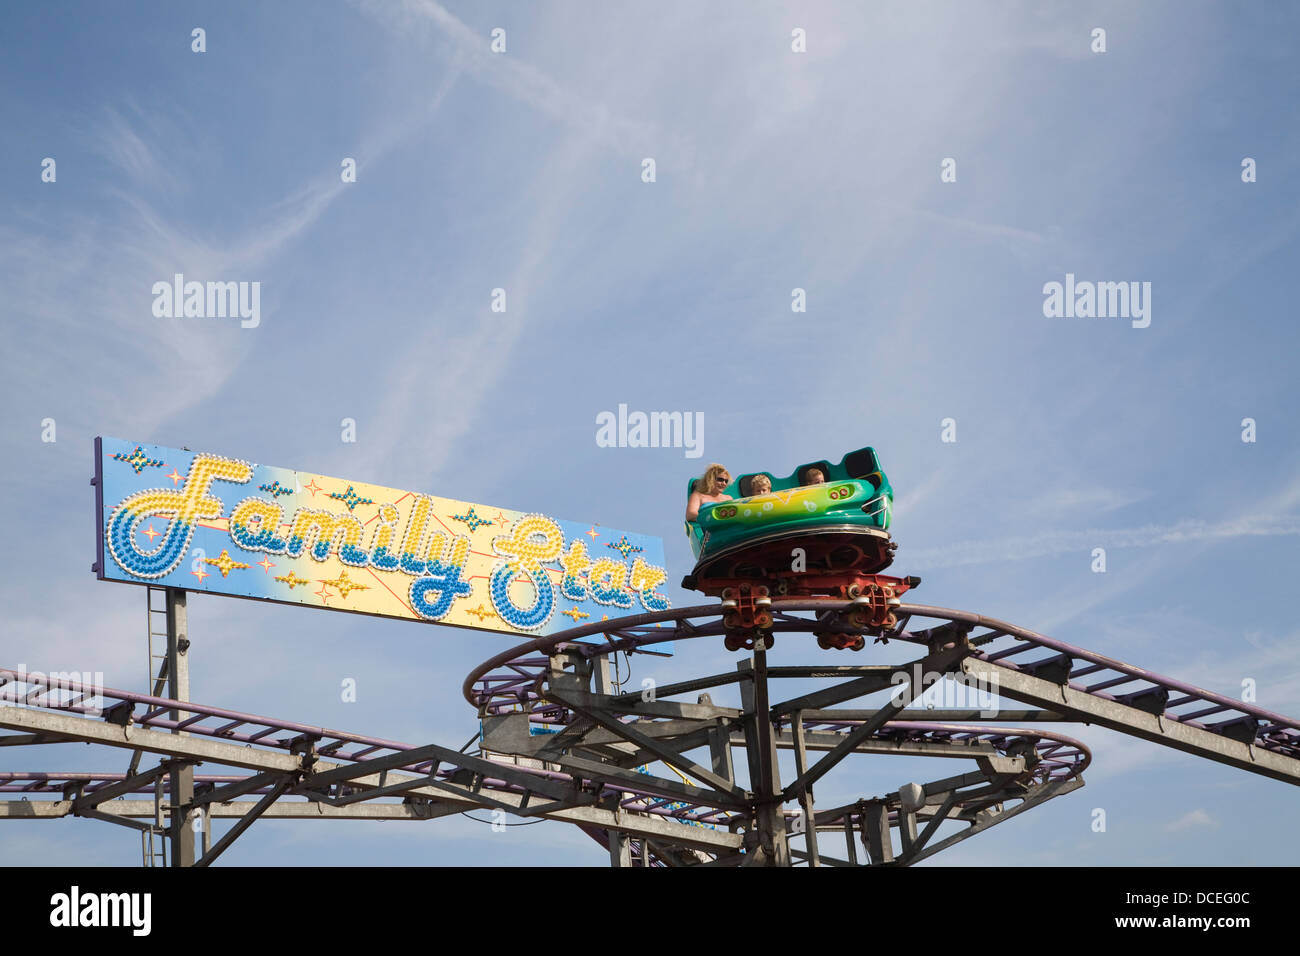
[511, 75]
[1067, 542]
[1189, 820]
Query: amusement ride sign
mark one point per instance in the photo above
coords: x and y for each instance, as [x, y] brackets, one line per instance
[203, 522]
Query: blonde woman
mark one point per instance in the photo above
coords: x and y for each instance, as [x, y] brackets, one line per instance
[708, 490]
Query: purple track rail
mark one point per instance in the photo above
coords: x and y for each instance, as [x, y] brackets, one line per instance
[265, 732]
[509, 681]
[512, 682]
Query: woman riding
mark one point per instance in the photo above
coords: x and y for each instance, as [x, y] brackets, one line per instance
[708, 490]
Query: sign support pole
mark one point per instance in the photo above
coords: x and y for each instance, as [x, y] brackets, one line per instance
[181, 774]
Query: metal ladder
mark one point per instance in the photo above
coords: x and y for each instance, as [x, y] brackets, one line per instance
[153, 841]
[157, 627]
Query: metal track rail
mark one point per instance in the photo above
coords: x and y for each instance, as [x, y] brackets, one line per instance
[594, 763]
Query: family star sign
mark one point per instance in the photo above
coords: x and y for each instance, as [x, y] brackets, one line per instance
[203, 522]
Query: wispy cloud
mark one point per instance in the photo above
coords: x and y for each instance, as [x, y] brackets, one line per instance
[1270, 663]
[1066, 542]
[104, 266]
[1052, 611]
[464, 386]
[1068, 499]
[512, 75]
[87, 281]
[1189, 820]
[125, 143]
[993, 229]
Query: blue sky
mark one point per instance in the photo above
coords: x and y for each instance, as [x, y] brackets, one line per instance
[774, 171]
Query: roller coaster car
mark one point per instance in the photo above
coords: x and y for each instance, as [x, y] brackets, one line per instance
[822, 540]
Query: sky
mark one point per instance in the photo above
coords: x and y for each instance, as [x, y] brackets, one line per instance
[774, 171]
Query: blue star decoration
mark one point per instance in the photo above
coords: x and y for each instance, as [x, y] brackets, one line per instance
[471, 519]
[276, 489]
[624, 547]
[138, 460]
[351, 498]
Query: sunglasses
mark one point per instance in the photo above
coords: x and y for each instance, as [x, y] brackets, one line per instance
[722, 479]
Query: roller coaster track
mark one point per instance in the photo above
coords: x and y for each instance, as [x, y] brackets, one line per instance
[561, 741]
[1120, 696]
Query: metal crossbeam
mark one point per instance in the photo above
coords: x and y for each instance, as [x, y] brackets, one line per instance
[243, 823]
[592, 706]
[939, 662]
[282, 809]
[581, 775]
[1042, 795]
[115, 790]
[1136, 723]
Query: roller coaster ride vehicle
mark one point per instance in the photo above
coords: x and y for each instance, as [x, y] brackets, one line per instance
[829, 539]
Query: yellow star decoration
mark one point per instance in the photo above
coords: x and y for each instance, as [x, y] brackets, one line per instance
[225, 563]
[481, 613]
[345, 586]
[574, 613]
[291, 579]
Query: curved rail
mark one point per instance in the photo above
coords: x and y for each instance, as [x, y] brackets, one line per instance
[1068, 682]
[267, 733]
[506, 681]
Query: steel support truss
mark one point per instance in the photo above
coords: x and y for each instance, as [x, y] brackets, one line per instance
[653, 775]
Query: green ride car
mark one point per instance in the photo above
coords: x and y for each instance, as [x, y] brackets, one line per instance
[855, 501]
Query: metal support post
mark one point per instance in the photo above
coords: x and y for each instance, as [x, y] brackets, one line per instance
[875, 831]
[181, 777]
[805, 798]
[620, 849]
[760, 742]
[720, 751]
